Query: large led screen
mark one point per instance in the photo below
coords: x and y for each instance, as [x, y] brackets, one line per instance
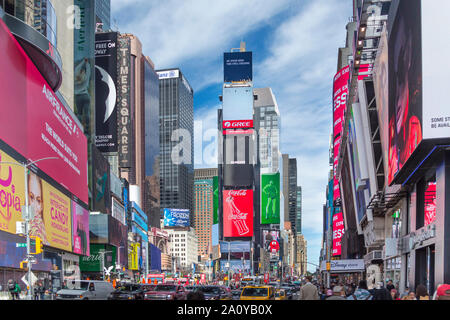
[237, 66]
[270, 198]
[36, 124]
[238, 213]
[338, 232]
[176, 217]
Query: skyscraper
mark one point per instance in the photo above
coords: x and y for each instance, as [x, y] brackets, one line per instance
[103, 13]
[290, 190]
[298, 222]
[176, 125]
[267, 122]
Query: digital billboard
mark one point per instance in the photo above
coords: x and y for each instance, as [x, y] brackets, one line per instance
[118, 211]
[80, 229]
[237, 103]
[36, 124]
[237, 66]
[430, 203]
[338, 232]
[270, 198]
[215, 200]
[238, 213]
[101, 198]
[176, 217]
[340, 92]
[106, 91]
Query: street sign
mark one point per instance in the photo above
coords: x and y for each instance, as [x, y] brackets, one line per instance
[25, 278]
[21, 227]
[31, 212]
[21, 245]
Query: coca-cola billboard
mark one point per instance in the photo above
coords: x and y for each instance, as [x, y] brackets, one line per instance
[238, 213]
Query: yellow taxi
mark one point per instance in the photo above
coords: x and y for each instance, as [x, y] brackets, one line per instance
[257, 293]
[280, 294]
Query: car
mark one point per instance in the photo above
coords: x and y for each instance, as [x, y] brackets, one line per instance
[128, 291]
[166, 292]
[85, 290]
[289, 291]
[236, 293]
[190, 288]
[212, 292]
[280, 294]
[258, 293]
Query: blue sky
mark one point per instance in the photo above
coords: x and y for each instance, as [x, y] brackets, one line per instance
[295, 45]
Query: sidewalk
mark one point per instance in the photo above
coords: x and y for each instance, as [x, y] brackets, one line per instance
[5, 295]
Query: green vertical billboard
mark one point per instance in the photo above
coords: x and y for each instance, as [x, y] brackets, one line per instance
[216, 199]
[270, 198]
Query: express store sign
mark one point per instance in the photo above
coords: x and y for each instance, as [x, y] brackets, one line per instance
[237, 124]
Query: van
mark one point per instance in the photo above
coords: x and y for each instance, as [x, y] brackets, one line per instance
[85, 290]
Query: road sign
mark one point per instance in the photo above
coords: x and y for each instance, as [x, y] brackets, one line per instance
[21, 245]
[21, 227]
[31, 212]
[25, 279]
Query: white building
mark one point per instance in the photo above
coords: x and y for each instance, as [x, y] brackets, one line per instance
[183, 244]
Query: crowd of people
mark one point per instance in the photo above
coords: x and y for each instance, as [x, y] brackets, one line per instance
[339, 291]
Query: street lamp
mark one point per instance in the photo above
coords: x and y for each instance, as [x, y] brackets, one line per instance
[27, 216]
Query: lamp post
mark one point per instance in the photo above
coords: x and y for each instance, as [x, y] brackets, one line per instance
[27, 217]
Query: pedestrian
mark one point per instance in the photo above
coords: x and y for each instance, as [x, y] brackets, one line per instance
[338, 293]
[309, 291]
[17, 290]
[443, 292]
[11, 288]
[411, 296]
[390, 285]
[422, 293]
[395, 295]
[361, 292]
[381, 293]
[36, 291]
[405, 293]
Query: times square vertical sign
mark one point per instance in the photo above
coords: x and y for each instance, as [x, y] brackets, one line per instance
[124, 101]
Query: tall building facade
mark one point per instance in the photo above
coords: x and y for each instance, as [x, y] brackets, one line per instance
[103, 13]
[298, 217]
[290, 190]
[183, 246]
[267, 123]
[203, 208]
[176, 125]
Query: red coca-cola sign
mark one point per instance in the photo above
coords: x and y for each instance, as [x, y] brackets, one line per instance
[237, 124]
[238, 213]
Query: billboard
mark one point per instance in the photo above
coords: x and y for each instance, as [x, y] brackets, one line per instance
[176, 217]
[237, 103]
[270, 198]
[117, 233]
[133, 256]
[237, 66]
[234, 246]
[338, 232]
[101, 198]
[340, 92]
[52, 221]
[430, 202]
[124, 101]
[80, 229]
[106, 91]
[238, 213]
[118, 211]
[93, 262]
[36, 124]
[237, 124]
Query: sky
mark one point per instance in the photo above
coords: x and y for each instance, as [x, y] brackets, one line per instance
[295, 48]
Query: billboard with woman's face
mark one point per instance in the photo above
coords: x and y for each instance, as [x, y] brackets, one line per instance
[405, 86]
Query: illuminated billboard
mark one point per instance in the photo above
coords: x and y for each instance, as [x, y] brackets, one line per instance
[237, 103]
[237, 66]
[176, 217]
[338, 232]
[270, 198]
[238, 213]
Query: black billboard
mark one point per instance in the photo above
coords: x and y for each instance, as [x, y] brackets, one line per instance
[106, 91]
[101, 197]
[237, 66]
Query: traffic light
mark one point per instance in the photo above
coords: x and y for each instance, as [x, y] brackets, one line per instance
[38, 245]
[21, 264]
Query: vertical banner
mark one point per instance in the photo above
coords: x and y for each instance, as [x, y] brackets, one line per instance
[106, 91]
[100, 174]
[340, 91]
[238, 213]
[270, 198]
[133, 256]
[124, 103]
[80, 229]
[12, 193]
[216, 200]
[338, 232]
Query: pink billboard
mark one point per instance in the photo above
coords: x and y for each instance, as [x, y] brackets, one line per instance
[338, 232]
[340, 92]
[35, 123]
[80, 229]
[238, 213]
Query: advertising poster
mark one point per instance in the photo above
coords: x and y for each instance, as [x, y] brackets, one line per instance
[215, 200]
[118, 211]
[101, 182]
[36, 124]
[430, 203]
[238, 213]
[338, 232]
[12, 193]
[270, 198]
[133, 256]
[340, 91]
[93, 262]
[405, 86]
[237, 104]
[176, 217]
[237, 66]
[80, 229]
[52, 220]
[236, 266]
[106, 91]
[117, 232]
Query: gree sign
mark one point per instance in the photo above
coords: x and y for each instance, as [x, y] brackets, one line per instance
[237, 124]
